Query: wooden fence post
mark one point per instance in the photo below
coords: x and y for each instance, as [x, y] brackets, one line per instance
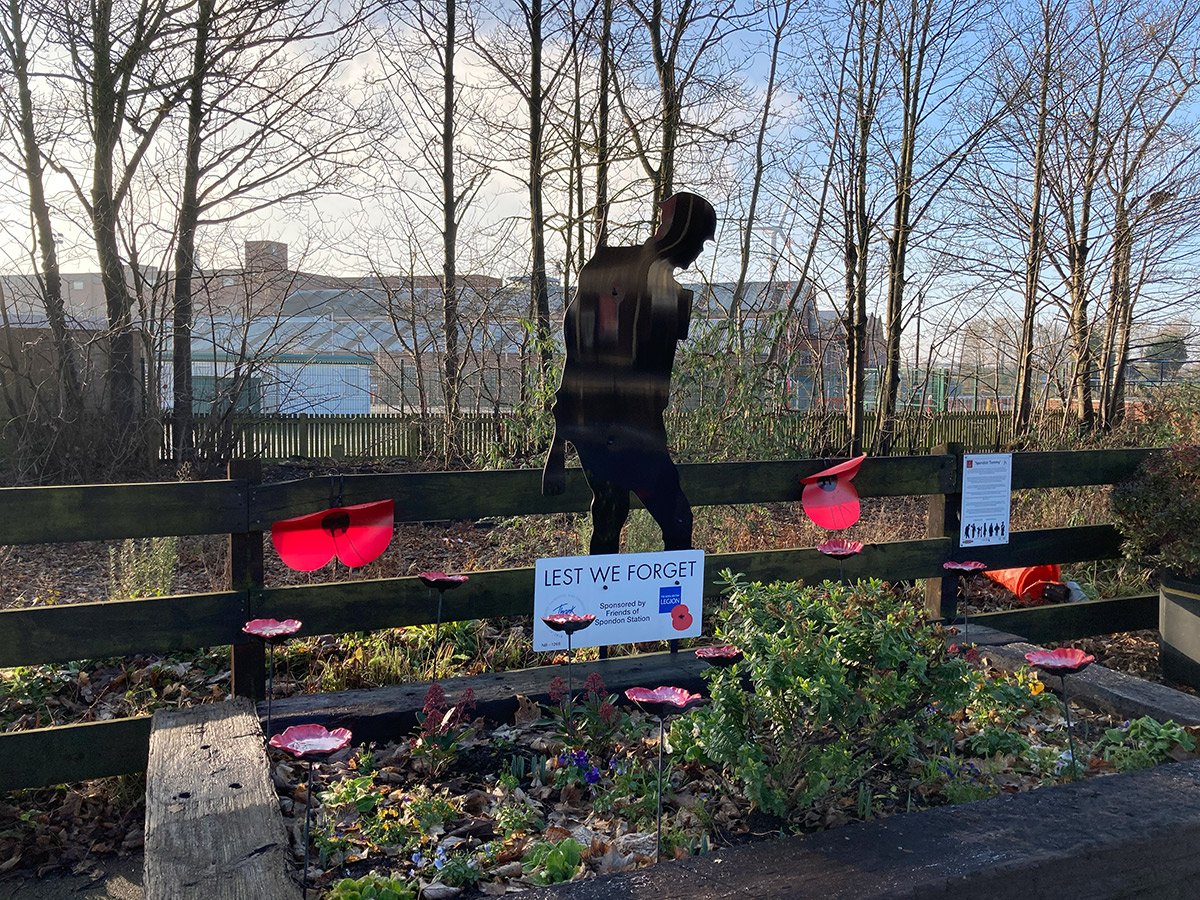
[248, 669]
[945, 520]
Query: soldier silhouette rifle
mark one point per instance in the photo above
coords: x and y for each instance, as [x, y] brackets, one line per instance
[621, 331]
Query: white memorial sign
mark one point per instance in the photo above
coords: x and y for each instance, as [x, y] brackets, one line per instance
[986, 499]
[634, 597]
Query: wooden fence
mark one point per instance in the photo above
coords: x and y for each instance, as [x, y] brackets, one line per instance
[244, 509]
[694, 435]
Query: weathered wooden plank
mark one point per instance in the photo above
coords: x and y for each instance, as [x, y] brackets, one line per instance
[51, 634]
[1113, 692]
[66, 753]
[1065, 621]
[39, 515]
[1072, 468]
[434, 496]
[384, 714]
[213, 828]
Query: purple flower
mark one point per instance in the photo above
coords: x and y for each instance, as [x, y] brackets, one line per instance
[579, 758]
[592, 776]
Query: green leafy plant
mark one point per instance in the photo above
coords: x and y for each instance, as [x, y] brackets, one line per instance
[372, 887]
[1143, 743]
[552, 863]
[849, 680]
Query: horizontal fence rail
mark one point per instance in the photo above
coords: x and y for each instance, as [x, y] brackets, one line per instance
[244, 510]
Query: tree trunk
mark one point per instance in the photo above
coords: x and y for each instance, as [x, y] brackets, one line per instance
[606, 17]
[16, 49]
[452, 364]
[185, 249]
[537, 226]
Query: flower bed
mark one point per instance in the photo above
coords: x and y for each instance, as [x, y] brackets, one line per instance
[845, 706]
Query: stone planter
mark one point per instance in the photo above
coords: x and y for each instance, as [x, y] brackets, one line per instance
[1179, 627]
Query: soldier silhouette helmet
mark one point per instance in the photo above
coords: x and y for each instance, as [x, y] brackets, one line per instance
[688, 220]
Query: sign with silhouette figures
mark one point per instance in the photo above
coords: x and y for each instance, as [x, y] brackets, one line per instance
[986, 499]
[620, 334]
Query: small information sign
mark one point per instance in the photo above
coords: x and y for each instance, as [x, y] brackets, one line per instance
[986, 499]
[634, 596]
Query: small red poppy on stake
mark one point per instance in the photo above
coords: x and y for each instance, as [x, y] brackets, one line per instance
[356, 534]
[839, 548]
[309, 742]
[568, 623]
[967, 565]
[681, 617]
[661, 698]
[441, 582]
[1062, 662]
[829, 498]
[721, 657]
[271, 632]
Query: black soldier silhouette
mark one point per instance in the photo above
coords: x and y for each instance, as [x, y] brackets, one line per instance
[620, 332]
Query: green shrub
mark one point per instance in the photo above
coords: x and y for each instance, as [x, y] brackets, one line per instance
[371, 887]
[1143, 743]
[848, 679]
[553, 863]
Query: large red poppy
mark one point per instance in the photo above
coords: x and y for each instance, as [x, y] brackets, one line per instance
[356, 534]
[829, 498]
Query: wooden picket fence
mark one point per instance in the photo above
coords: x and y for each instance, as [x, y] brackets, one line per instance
[242, 509]
[695, 435]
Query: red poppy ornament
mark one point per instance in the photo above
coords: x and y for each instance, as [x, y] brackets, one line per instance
[681, 618]
[663, 696]
[356, 534]
[271, 630]
[311, 740]
[721, 657]
[568, 623]
[829, 498]
[839, 548]
[966, 565]
[441, 581]
[1063, 661]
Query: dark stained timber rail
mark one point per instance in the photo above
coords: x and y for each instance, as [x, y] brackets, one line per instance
[1072, 468]
[44, 756]
[95, 512]
[434, 496]
[51, 634]
[163, 624]
[1066, 621]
